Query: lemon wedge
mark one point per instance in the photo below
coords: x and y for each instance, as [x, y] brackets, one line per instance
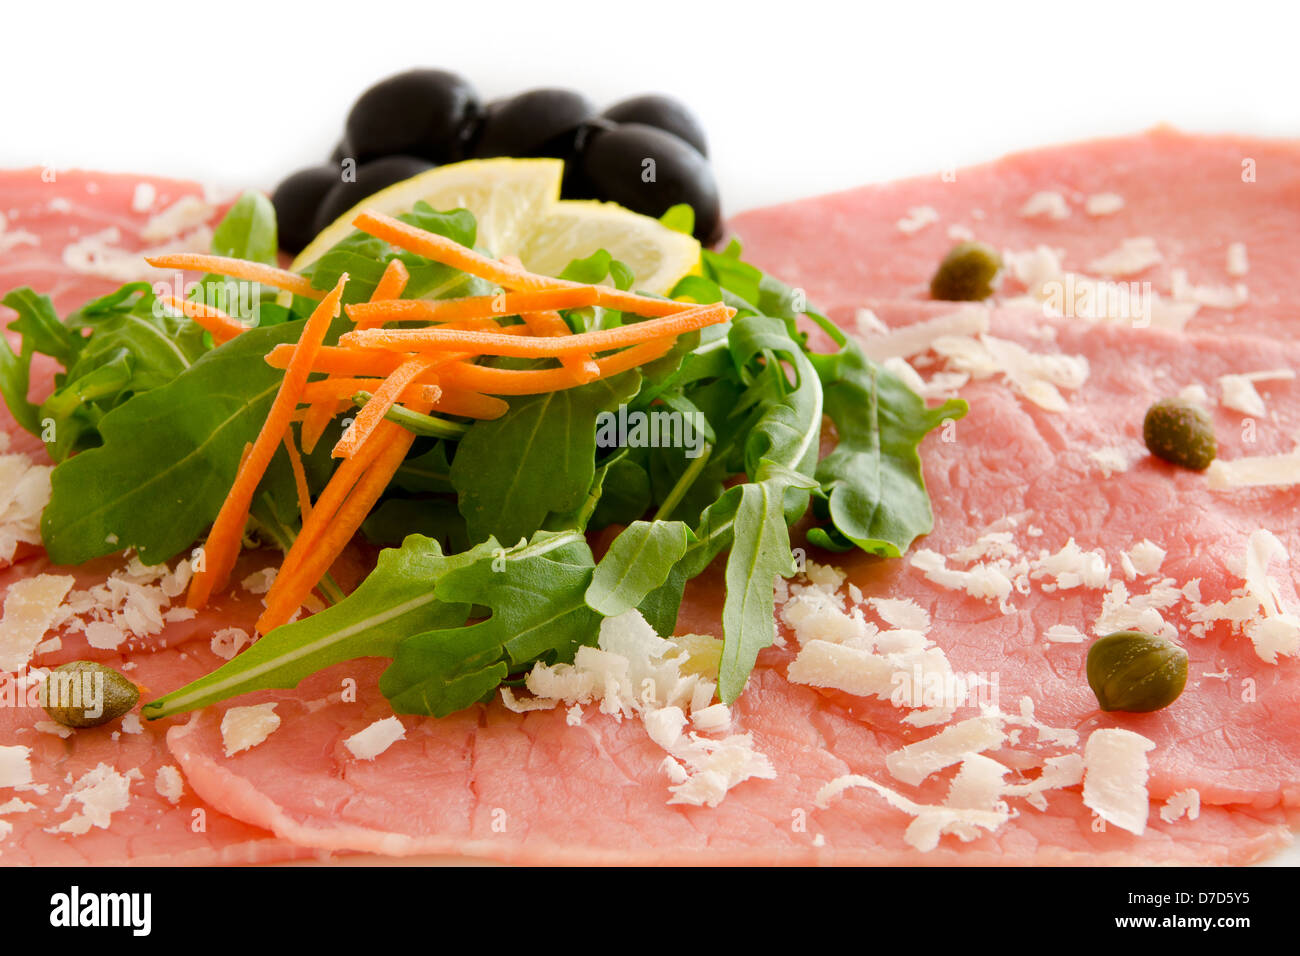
[519, 211]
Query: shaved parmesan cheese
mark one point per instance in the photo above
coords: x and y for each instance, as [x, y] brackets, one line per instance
[1058, 772]
[930, 822]
[1104, 204]
[168, 783]
[1239, 391]
[715, 766]
[1238, 263]
[101, 793]
[1072, 567]
[142, 199]
[15, 766]
[1111, 461]
[1115, 777]
[246, 727]
[1182, 803]
[1064, 634]
[1260, 471]
[1196, 394]
[1049, 204]
[1037, 376]
[981, 581]
[960, 233]
[31, 608]
[185, 214]
[919, 337]
[917, 218]
[1146, 557]
[24, 493]
[369, 743]
[712, 719]
[915, 762]
[1133, 256]
[229, 641]
[1214, 297]
[99, 254]
[901, 612]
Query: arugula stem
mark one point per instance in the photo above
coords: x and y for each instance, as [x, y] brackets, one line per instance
[683, 484]
[415, 422]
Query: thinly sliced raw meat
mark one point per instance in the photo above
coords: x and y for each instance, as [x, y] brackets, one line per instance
[530, 788]
[1185, 192]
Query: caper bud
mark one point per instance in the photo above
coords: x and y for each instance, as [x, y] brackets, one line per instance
[1180, 432]
[966, 273]
[86, 694]
[1136, 672]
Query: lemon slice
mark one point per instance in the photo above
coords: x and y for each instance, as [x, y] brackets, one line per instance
[519, 212]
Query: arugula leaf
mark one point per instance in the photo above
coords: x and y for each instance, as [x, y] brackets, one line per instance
[595, 267]
[436, 518]
[537, 459]
[248, 230]
[168, 458]
[680, 218]
[638, 561]
[625, 495]
[34, 312]
[535, 595]
[427, 472]
[872, 485]
[400, 597]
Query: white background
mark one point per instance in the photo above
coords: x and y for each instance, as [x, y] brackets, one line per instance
[798, 97]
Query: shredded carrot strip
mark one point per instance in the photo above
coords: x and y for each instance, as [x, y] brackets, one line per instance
[549, 322]
[342, 389]
[393, 282]
[472, 307]
[222, 546]
[357, 485]
[504, 381]
[238, 269]
[489, 343]
[452, 253]
[391, 285]
[299, 475]
[222, 327]
[383, 398]
[338, 360]
[469, 404]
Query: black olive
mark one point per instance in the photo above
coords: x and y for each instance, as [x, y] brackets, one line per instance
[297, 200]
[423, 113]
[542, 122]
[649, 171]
[661, 112]
[370, 178]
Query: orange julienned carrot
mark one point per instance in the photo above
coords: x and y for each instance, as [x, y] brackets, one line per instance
[451, 253]
[471, 307]
[391, 285]
[505, 381]
[468, 404]
[386, 450]
[337, 360]
[383, 398]
[238, 269]
[550, 322]
[299, 475]
[341, 389]
[494, 343]
[222, 546]
[221, 326]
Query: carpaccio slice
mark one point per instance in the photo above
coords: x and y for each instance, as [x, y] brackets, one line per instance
[1183, 202]
[531, 788]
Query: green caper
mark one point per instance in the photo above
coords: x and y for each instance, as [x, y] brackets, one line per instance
[1180, 432]
[966, 273]
[86, 694]
[1136, 672]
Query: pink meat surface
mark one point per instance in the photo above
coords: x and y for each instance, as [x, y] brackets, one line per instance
[489, 783]
[1191, 194]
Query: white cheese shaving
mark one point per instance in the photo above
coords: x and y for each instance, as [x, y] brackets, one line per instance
[24, 493]
[1037, 376]
[1064, 634]
[101, 793]
[1182, 803]
[1210, 296]
[919, 337]
[913, 763]
[142, 199]
[917, 218]
[1103, 204]
[1072, 567]
[1238, 263]
[15, 766]
[1146, 557]
[1115, 777]
[1132, 257]
[169, 784]
[984, 581]
[99, 254]
[31, 608]
[1050, 204]
[245, 727]
[930, 822]
[187, 213]
[369, 743]
[1111, 461]
[229, 641]
[1254, 472]
[1239, 392]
